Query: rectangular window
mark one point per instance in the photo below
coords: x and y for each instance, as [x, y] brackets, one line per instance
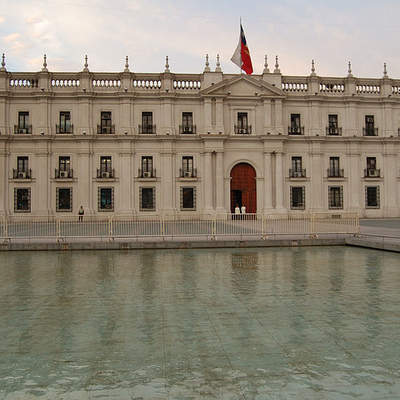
[297, 197]
[370, 129]
[371, 162]
[335, 197]
[297, 171]
[65, 122]
[64, 163]
[334, 170]
[105, 163]
[147, 167]
[106, 199]
[23, 123]
[22, 200]
[187, 123]
[147, 123]
[188, 198]
[147, 198]
[22, 163]
[105, 123]
[333, 126]
[372, 199]
[187, 167]
[64, 199]
[295, 126]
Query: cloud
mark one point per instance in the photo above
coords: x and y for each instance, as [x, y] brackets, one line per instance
[2, 19]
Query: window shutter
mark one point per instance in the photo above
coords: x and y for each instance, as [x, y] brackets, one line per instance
[181, 198]
[194, 198]
[378, 197]
[329, 197]
[112, 198]
[303, 197]
[70, 199]
[341, 196]
[99, 199]
[15, 199]
[154, 197]
[29, 199]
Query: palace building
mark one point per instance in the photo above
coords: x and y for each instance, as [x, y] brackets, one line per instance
[131, 144]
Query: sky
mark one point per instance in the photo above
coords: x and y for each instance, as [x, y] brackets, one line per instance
[330, 32]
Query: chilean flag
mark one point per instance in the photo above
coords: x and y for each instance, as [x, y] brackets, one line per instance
[241, 56]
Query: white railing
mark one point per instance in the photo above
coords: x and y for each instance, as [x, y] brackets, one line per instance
[218, 225]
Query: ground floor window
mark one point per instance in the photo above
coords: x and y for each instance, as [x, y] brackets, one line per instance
[106, 199]
[64, 199]
[188, 198]
[297, 197]
[22, 200]
[147, 198]
[372, 197]
[335, 197]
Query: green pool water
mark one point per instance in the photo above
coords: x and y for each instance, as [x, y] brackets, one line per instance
[275, 323]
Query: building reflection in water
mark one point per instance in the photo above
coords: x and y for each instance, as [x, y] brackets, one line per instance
[244, 273]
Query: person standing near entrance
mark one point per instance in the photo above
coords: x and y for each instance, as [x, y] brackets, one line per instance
[237, 211]
[243, 211]
[81, 213]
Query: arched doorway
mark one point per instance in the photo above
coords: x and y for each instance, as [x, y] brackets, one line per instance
[243, 187]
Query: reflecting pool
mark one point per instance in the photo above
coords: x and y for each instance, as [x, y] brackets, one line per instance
[274, 323]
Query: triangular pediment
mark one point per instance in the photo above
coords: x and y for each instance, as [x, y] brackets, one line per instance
[242, 86]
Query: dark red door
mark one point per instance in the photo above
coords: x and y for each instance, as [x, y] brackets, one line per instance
[243, 187]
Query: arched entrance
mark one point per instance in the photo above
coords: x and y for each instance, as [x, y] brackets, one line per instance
[243, 187]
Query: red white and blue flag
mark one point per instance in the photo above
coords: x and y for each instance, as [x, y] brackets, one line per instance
[241, 56]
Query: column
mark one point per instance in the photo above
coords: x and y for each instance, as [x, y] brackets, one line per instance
[207, 115]
[267, 116]
[3, 182]
[167, 184]
[125, 183]
[354, 182]
[279, 182]
[317, 186]
[87, 192]
[40, 189]
[267, 183]
[388, 184]
[219, 116]
[278, 116]
[207, 183]
[220, 184]
[166, 122]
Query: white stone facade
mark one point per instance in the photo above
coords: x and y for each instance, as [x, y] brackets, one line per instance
[316, 144]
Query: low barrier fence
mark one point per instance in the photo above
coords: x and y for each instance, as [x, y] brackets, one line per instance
[205, 227]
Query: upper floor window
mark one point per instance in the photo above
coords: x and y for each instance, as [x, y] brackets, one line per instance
[22, 171]
[147, 170]
[65, 125]
[334, 170]
[106, 126]
[371, 171]
[187, 170]
[295, 127]
[106, 170]
[147, 123]
[23, 123]
[64, 167]
[297, 170]
[333, 126]
[187, 123]
[370, 129]
[242, 126]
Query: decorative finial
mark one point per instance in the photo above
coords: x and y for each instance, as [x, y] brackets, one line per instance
[207, 67]
[166, 65]
[385, 74]
[266, 69]
[126, 64]
[313, 68]
[3, 63]
[44, 69]
[86, 65]
[277, 70]
[218, 65]
[349, 74]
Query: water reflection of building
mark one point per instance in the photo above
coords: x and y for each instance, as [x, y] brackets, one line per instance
[244, 273]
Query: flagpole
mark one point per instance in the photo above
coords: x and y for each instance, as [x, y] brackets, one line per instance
[240, 36]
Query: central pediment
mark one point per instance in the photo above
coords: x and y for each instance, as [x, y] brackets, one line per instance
[243, 86]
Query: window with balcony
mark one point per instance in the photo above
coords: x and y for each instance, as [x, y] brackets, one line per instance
[297, 197]
[147, 170]
[22, 199]
[242, 127]
[295, 127]
[147, 198]
[187, 170]
[147, 126]
[187, 123]
[105, 171]
[372, 197]
[188, 198]
[335, 197]
[64, 199]
[334, 170]
[65, 125]
[371, 171]
[333, 127]
[106, 198]
[64, 168]
[297, 170]
[370, 129]
[22, 171]
[106, 126]
[23, 123]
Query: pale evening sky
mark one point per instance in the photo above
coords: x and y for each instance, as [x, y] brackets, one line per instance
[331, 32]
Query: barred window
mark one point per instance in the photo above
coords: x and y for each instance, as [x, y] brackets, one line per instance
[147, 198]
[22, 199]
[64, 199]
[335, 197]
[188, 198]
[297, 197]
[106, 198]
[372, 197]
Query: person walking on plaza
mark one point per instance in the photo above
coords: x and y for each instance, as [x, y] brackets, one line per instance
[81, 213]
